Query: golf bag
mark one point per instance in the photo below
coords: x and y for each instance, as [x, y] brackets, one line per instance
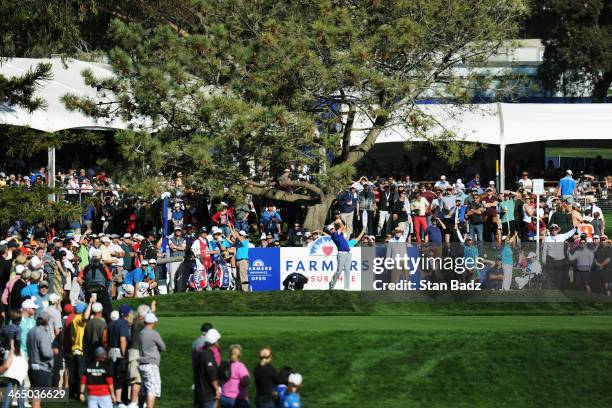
[222, 277]
[198, 279]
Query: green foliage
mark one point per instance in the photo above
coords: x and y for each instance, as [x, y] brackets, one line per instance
[33, 207]
[226, 89]
[578, 40]
[19, 90]
[27, 142]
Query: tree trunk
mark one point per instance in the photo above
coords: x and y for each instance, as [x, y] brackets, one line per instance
[317, 213]
[600, 90]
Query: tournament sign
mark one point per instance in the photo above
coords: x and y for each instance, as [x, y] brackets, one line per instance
[264, 269]
[318, 263]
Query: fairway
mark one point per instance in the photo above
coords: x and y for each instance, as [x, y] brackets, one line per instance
[258, 326]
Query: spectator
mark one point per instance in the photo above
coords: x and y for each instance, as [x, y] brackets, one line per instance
[201, 340]
[270, 222]
[367, 208]
[151, 344]
[347, 201]
[567, 187]
[77, 332]
[292, 396]
[419, 208]
[95, 331]
[206, 386]
[385, 210]
[474, 213]
[95, 279]
[265, 379]
[40, 356]
[234, 392]
[135, 379]
[28, 322]
[603, 260]
[584, 256]
[495, 276]
[295, 235]
[98, 380]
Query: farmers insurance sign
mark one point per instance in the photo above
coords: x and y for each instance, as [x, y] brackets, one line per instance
[318, 263]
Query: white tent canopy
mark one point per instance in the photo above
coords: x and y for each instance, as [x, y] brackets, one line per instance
[66, 79]
[508, 123]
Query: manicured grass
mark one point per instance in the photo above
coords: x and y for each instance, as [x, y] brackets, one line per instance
[458, 361]
[374, 350]
[586, 152]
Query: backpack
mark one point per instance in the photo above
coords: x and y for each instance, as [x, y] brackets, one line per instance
[224, 371]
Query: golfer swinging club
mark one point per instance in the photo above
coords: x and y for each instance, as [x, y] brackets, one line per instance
[344, 254]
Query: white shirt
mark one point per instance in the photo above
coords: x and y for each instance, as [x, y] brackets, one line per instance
[114, 248]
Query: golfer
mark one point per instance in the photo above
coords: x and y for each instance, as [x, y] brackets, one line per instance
[336, 232]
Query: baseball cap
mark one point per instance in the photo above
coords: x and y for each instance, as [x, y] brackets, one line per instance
[150, 318]
[212, 336]
[97, 307]
[43, 284]
[243, 233]
[127, 235]
[96, 253]
[152, 261]
[595, 236]
[202, 230]
[54, 298]
[124, 309]
[19, 269]
[531, 255]
[29, 304]
[569, 172]
[504, 237]
[114, 315]
[80, 307]
[216, 230]
[45, 315]
[105, 239]
[68, 308]
[491, 183]
[554, 226]
[144, 262]
[295, 379]
[100, 352]
[442, 177]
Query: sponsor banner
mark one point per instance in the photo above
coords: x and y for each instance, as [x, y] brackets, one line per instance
[264, 269]
[318, 263]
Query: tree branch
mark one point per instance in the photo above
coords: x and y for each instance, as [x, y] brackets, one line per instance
[251, 187]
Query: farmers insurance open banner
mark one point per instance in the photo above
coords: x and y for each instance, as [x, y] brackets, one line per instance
[268, 267]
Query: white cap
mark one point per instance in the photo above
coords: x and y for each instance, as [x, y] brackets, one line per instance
[144, 262]
[223, 203]
[54, 298]
[330, 226]
[97, 307]
[3, 242]
[150, 318]
[295, 379]
[127, 235]
[443, 177]
[531, 255]
[96, 253]
[459, 181]
[491, 183]
[152, 261]
[216, 230]
[35, 263]
[114, 315]
[243, 233]
[504, 237]
[19, 269]
[29, 304]
[569, 172]
[212, 336]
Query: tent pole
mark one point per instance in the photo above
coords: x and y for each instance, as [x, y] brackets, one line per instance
[51, 172]
[502, 150]
[502, 167]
